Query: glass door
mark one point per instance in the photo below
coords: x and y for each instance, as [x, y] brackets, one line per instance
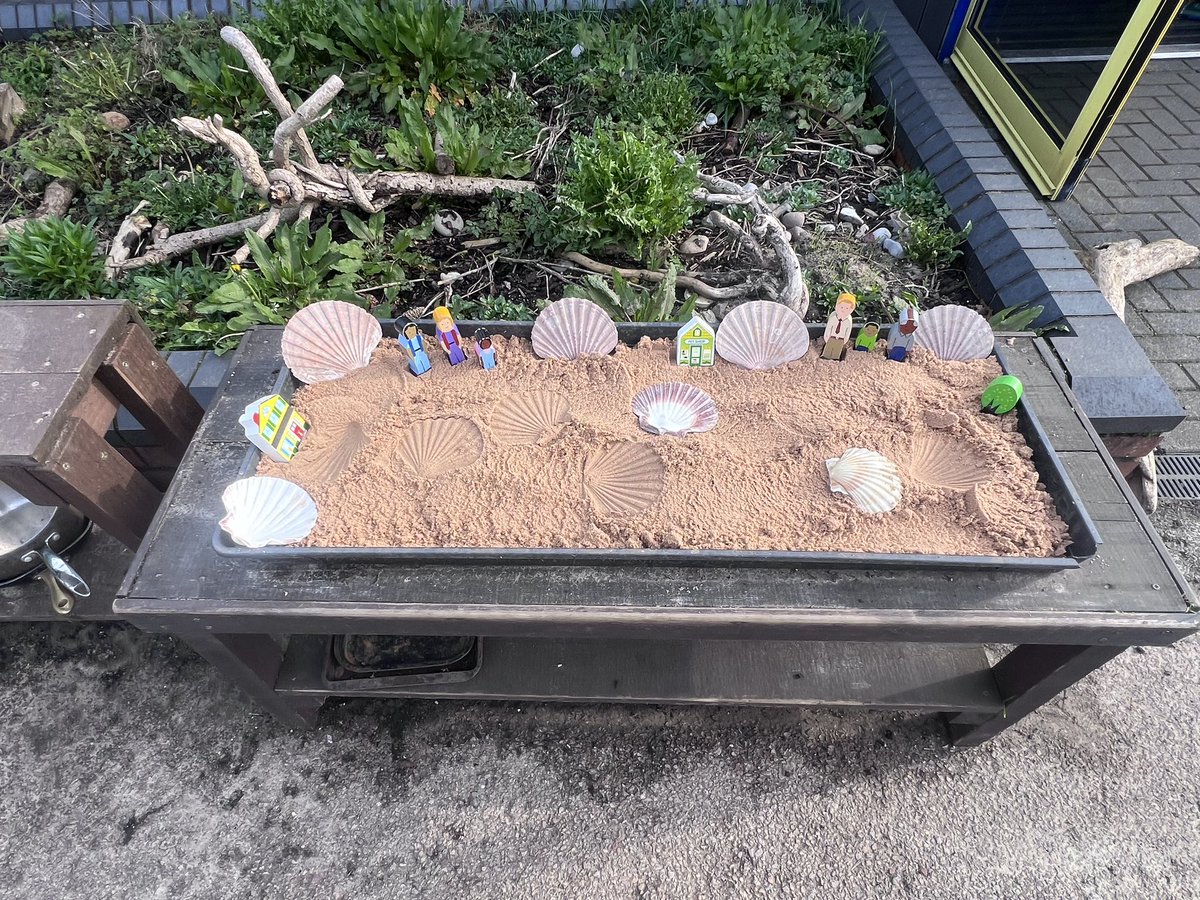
[1054, 75]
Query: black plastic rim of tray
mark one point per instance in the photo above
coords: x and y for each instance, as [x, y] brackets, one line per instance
[1085, 539]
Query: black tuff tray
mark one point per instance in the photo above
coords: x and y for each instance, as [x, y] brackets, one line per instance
[1084, 536]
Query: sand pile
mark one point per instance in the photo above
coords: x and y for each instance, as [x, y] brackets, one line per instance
[546, 453]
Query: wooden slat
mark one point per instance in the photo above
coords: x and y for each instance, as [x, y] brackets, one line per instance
[766, 673]
[144, 383]
[1102, 496]
[31, 408]
[59, 338]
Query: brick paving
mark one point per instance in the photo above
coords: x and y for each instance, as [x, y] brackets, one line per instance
[1145, 183]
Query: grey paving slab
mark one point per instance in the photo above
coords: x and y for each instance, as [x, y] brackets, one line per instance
[1145, 183]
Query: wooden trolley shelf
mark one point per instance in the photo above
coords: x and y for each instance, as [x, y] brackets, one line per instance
[761, 673]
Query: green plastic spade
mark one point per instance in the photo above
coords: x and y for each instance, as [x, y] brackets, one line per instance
[1002, 395]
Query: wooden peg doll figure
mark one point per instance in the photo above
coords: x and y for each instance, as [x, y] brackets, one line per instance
[413, 345]
[484, 349]
[868, 335]
[448, 336]
[839, 326]
[903, 334]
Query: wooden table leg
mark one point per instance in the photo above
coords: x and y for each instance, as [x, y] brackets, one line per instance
[89, 474]
[252, 661]
[140, 379]
[1029, 676]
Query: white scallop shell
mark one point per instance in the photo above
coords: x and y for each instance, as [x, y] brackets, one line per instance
[526, 419]
[939, 462]
[761, 334]
[623, 479]
[262, 511]
[329, 339]
[434, 447]
[870, 478]
[573, 327]
[955, 332]
[675, 408]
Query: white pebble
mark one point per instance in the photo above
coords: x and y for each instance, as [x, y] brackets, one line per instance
[850, 214]
[893, 247]
[577, 51]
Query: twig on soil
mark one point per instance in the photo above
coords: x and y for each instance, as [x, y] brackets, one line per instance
[689, 282]
[55, 201]
[128, 236]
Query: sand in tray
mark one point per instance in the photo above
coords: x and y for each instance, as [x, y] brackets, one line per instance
[547, 453]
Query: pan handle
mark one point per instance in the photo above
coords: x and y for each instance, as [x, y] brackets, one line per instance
[64, 582]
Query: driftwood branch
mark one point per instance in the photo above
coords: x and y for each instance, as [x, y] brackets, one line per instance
[128, 236]
[295, 188]
[55, 201]
[1116, 266]
[718, 219]
[792, 292]
[690, 282]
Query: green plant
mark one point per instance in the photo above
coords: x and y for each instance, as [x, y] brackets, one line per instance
[414, 145]
[202, 199]
[916, 193]
[219, 84]
[754, 55]
[392, 49]
[300, 268]
[664, 102]
[381, 262]
[625, 301]
[490, 308]
[102, 73]
[167, 297]
[53, 259]
[1016, 318]
[628, 189]
[280, 25]
[29, 67]
[75, 147]
[525, 219]
[932, 243]
[506, 118]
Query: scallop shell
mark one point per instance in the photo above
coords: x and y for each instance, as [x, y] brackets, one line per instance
[329, 339]
[871, 479]
[675, 408]
[940, 463]
[434, 447]
[623, 479]
[761, 334]
[262, 511]
[955, 332]
[573, 327]
[525, 419]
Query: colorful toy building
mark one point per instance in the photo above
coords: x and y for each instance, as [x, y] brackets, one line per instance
[695, 343]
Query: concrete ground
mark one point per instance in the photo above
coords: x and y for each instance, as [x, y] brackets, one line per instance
[128, 770]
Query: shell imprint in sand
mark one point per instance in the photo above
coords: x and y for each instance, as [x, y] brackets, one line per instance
[955, 332]
[434, 447]
[761, 334]
[870, 478]
[675, 408]
[525, 419]
[341, 441]
[262, 511]
[623, 479]
[573, 327]
[329, 339]
[939, 462]
[351, 438]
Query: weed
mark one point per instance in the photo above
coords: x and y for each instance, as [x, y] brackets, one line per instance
[917, 194]
[626, 301]
[30, 68]
[1016, 318]
[507, 119]
[664, 102]
[219, 84]
[53, 259]
[297, 270]
[75, 146]
[203, 198]
[392, 49]
[103, 73]
[522, 220]
[413, 146]
[492, 308]
[381, 262]
[932, 243]
[167, 297]
[627, 189]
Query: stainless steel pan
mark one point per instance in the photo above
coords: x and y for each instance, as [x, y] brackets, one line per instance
[31, 539]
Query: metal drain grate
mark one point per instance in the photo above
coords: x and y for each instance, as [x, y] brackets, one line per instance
[1178, 476]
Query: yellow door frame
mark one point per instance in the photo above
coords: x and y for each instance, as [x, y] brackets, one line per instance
[1054, 160]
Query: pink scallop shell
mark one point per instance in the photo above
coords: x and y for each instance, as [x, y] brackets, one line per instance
[329, 339]
[955, 332]
[573, 327]
[761, 334]
[675, 408]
